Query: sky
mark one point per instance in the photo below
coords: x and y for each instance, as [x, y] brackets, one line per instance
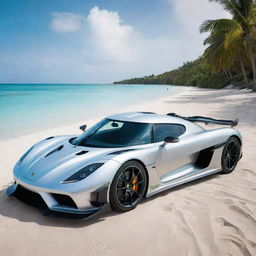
[98, 41]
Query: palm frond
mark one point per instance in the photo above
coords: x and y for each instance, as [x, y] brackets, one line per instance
[220, 25]
[234, 41]
[217, 56]
[225, 42]
[246, 7]
[233, 7]
[253, 10]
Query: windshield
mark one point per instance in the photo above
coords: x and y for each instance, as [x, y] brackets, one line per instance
[112, 133]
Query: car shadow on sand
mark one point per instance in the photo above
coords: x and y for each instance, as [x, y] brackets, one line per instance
[11, 207]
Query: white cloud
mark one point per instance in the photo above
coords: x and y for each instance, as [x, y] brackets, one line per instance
[65, 22]
[190, 14]
[111, 36]
[122, 51]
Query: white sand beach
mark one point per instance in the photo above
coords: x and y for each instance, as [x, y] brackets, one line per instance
[212, 216]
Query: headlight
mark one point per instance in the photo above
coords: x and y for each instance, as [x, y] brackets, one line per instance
[83, 173]
[24, 156]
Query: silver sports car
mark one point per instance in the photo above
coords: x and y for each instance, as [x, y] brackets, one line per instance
[122, 159]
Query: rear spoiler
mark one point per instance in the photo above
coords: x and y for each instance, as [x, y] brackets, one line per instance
[206, 120]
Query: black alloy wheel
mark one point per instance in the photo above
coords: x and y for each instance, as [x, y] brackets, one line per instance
[128, 187]
[230, 155]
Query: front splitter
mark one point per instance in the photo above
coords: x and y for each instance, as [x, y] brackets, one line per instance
[36, 201]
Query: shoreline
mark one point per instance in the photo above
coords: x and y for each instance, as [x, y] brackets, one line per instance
[212, 216]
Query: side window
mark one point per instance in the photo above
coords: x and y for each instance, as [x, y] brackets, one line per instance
[161, 131]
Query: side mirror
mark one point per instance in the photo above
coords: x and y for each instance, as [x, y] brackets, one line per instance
[115, 125]
[83, 127]
[171, 139]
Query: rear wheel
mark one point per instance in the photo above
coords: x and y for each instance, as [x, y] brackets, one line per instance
[230, 155]
[128, 187]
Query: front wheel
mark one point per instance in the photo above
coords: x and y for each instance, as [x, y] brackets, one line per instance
[128, 186]
[230, 155]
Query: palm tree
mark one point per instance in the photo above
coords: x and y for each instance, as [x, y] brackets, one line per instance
[232, 39]
[220, 57]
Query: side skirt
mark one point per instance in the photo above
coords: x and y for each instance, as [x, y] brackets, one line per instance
[183, 180]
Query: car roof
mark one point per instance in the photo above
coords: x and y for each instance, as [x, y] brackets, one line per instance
[149, 117]
[145, 117]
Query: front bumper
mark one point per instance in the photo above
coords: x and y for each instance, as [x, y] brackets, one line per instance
[50, 203]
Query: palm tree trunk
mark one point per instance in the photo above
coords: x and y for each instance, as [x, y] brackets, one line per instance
[243, 70]
[229, 73]
[226, 74]
[252, 60]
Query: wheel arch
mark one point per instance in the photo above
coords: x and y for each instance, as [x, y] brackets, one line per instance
[227, 169]
[237, 137]
[144, 166]
[132, 159]
[112, 197]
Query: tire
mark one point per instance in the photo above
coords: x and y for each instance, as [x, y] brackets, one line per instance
[128, 186]
[230, 155]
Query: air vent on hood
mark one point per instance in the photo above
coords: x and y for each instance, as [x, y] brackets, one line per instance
[55, 150]
[81, 152]
[147, 113]
[49, 138]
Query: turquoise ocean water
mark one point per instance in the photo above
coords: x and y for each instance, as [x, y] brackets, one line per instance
[27, 108]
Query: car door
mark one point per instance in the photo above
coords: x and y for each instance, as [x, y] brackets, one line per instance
[174, 156]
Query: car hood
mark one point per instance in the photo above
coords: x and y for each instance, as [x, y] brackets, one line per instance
[60, 158]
